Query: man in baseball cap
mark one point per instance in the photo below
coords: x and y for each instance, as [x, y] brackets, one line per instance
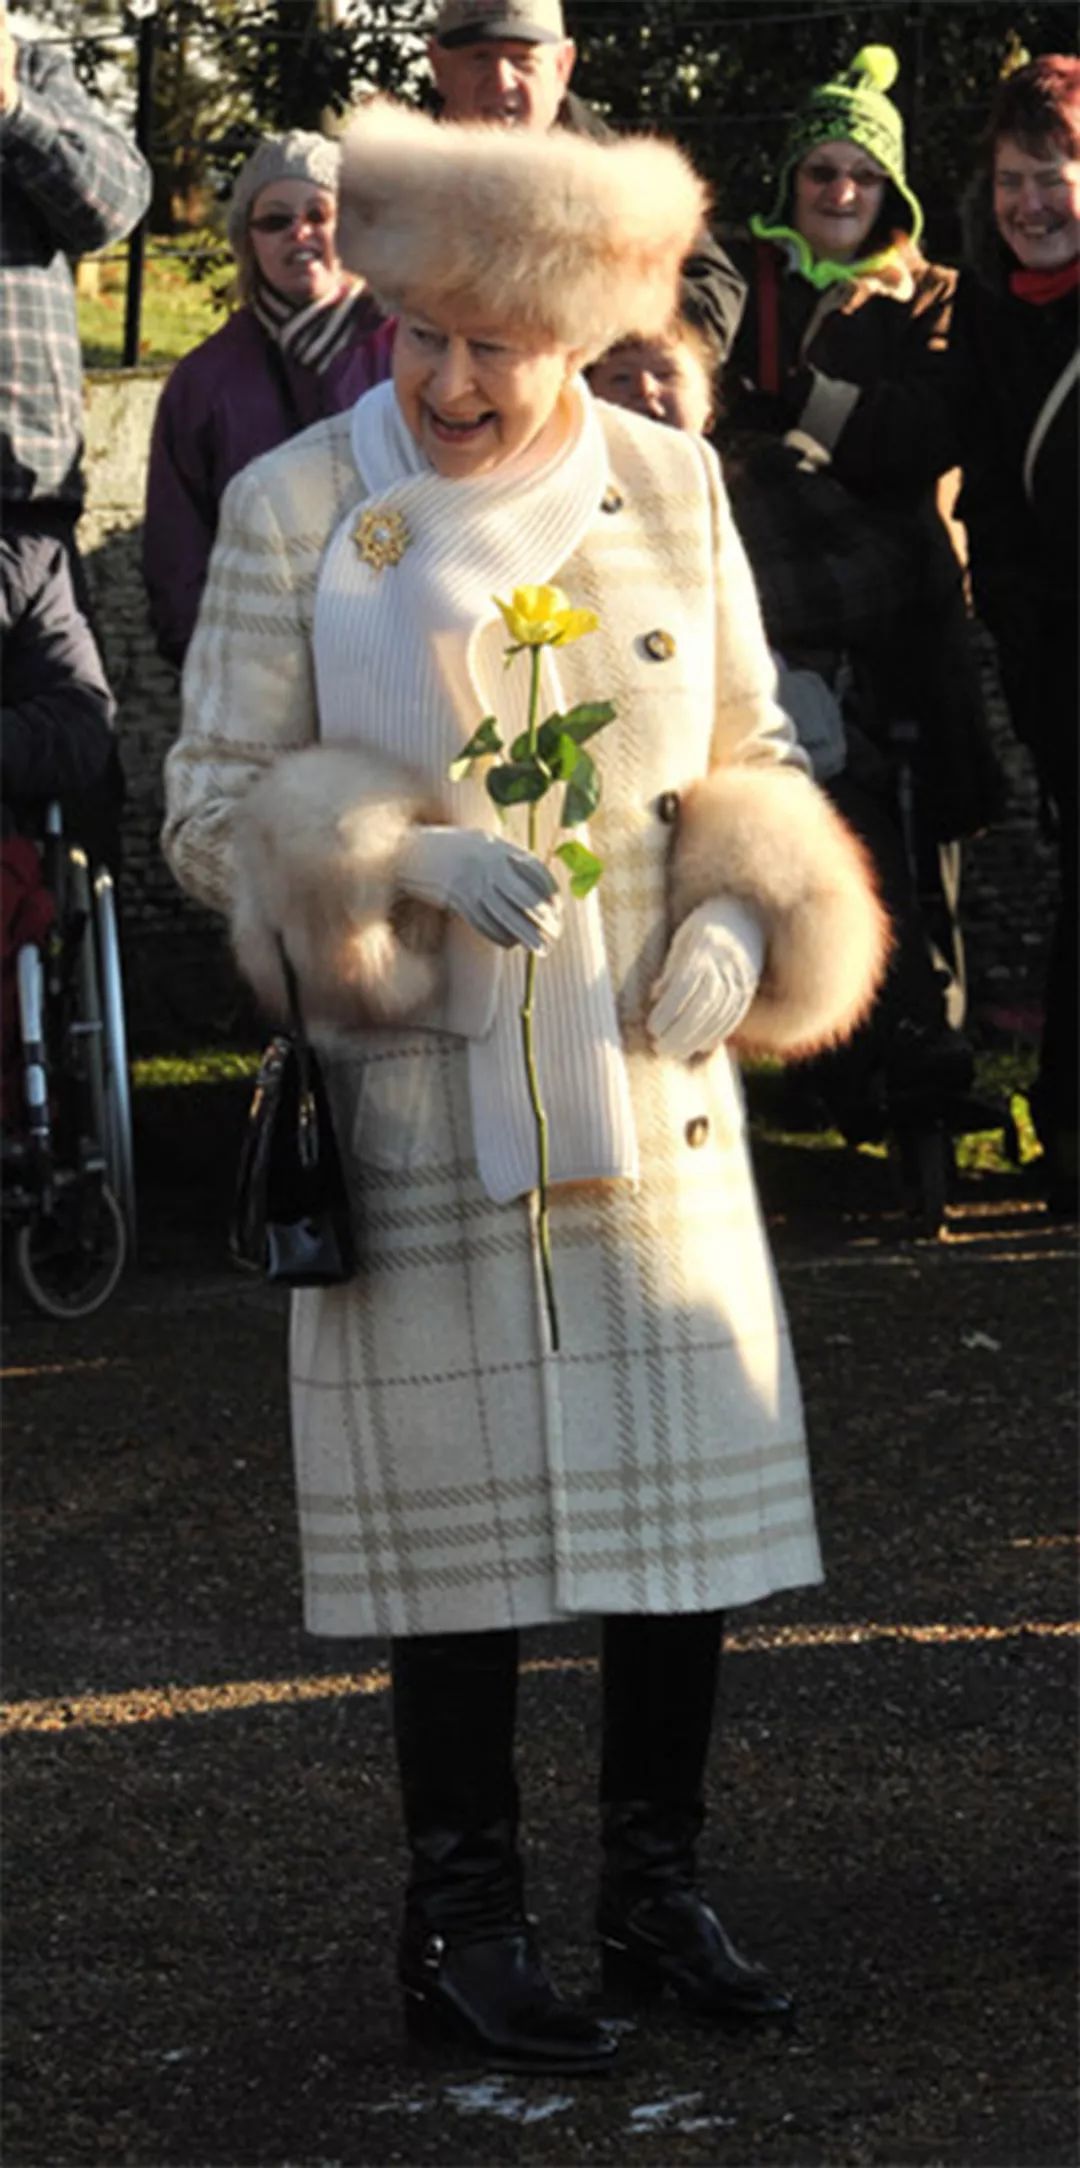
[502, 60]
[466, 22]
[510, 61]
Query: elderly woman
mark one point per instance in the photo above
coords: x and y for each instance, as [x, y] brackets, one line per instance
[459, 1476]
[305, 343]
[1016, 383]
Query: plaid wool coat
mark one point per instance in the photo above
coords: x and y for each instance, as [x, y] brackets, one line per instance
[453, 1474]
[72, 184]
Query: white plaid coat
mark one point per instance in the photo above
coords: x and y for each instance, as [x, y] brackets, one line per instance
[451, 1475]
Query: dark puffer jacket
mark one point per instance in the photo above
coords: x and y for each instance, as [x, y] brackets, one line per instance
[56, 736]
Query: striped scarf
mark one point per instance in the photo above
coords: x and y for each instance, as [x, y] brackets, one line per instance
[313, 335]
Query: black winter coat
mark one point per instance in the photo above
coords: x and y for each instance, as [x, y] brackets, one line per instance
[861, 369]
[1007, 356]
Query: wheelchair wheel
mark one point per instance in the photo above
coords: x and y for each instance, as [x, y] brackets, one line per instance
[117, 1136]
[84, 1030]
[99, 1029]
[70, 1258]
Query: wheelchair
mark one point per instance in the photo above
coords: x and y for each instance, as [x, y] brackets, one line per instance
[67, 1163]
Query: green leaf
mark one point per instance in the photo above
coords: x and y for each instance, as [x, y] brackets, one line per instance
[564, 759]
[518, 782]
[582, 722]
[582, 792]
[587, 718]
[583, 865]
[485, 739]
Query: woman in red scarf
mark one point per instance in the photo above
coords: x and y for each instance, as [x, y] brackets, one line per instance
[1016, 373]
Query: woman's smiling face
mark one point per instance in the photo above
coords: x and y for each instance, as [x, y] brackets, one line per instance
[839, 191]
[1037, 203]
[476, 395]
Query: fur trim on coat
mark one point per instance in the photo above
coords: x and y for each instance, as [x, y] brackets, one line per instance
[576, 241]
[316, 844]
[773, 839]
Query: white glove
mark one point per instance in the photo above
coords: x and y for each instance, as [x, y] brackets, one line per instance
[710, 976]
[503, 891]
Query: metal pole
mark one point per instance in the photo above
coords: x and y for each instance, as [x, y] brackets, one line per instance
[137, 245]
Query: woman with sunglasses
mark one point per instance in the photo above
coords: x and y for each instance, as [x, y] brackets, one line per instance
[843, 343]
[306, 341]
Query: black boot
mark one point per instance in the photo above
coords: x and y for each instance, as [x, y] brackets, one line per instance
[468, 1959]
[657, 1929]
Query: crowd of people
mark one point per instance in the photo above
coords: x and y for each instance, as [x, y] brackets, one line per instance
[701, 468]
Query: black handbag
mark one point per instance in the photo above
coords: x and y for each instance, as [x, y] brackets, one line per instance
[291, 1219]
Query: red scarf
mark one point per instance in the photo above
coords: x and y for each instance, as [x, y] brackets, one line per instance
[1043, 286]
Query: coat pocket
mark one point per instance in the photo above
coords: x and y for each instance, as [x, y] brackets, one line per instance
[396, 1109]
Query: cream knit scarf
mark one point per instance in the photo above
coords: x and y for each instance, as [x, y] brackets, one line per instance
[408, 659]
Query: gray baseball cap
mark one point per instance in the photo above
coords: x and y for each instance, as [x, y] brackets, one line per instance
[469, 22]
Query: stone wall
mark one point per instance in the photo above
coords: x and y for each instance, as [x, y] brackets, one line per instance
[182, 992]
[181, 989]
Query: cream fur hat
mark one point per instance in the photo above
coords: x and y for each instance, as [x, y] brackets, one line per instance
[574, 240]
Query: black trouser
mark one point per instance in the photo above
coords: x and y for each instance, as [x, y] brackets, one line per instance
[455, 1706]
[659, 1695]
[1057, 1088]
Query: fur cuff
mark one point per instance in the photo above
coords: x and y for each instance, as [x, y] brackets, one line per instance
[316, 844]
[770, 837]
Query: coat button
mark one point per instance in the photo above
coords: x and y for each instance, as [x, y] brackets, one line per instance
[659, 645]
[697, 1131]
[667, 806]
[612, 500]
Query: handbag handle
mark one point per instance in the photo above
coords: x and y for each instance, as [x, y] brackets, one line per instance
[307, 1115]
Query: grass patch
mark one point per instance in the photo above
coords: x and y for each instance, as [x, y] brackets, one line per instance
[217, 1065]
[1004, 1077]
[178, 311]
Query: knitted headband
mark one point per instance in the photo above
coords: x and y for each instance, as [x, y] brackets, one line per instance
[574, 241]
[853, 108]
[298, 156]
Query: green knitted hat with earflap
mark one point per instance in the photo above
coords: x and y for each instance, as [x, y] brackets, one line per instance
[853, 108]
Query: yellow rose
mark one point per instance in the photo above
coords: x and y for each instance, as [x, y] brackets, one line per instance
[542, 617]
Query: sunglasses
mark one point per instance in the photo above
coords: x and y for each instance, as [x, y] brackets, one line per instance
[281, 221]
[822, 174]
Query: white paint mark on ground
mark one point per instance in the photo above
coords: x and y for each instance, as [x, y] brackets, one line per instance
[661, 2114]
[489, 2096]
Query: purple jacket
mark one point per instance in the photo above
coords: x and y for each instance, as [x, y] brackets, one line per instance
[228, 400]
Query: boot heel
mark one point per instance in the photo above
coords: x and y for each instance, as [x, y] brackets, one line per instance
[427, 2022]
[629, 1978]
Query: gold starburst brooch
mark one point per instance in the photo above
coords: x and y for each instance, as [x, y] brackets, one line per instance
[382, 538]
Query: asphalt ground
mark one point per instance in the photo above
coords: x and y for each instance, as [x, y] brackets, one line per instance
[202, 1857]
